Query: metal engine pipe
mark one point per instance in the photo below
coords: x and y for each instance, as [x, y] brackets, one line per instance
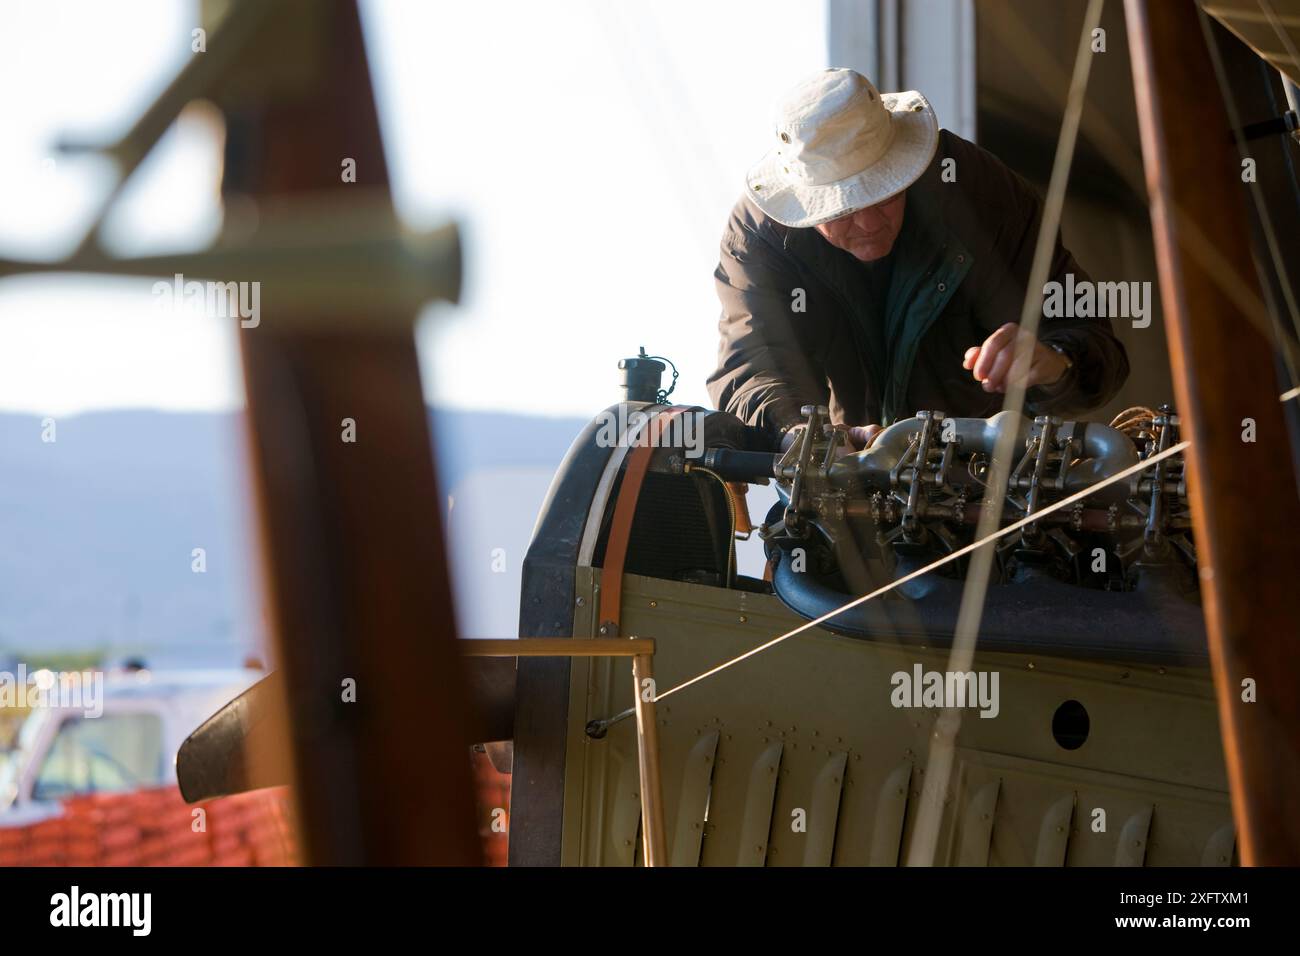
[1105, 451]
[871, 467]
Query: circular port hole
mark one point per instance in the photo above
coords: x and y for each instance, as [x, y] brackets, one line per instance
[1070, 725]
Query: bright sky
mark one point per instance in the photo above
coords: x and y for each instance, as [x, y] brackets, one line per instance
[590, 156]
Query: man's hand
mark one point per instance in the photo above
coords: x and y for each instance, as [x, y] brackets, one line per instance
[990, 363]
[861, 436]
[856, 438]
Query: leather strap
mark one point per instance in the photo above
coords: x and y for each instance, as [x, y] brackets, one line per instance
[620, 528]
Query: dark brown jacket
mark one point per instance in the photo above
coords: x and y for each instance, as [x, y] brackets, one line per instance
[960, 266]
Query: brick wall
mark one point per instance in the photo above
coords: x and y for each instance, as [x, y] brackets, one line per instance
[492, 795]
[156, 827]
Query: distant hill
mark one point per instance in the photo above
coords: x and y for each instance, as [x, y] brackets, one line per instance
[97, 529]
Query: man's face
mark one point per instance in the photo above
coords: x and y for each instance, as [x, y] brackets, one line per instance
[867, 234]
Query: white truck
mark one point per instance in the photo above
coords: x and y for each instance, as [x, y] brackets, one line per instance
[61, 751]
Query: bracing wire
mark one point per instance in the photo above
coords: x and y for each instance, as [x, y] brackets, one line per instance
[925, 836]
[1265, 220]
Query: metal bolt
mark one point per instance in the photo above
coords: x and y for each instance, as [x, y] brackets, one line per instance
[582, 601]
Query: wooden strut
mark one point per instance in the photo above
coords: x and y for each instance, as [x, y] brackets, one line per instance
[353, 547]
[557, 647]
[1244, 505]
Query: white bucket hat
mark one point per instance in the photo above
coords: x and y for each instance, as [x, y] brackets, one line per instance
[842, 146]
